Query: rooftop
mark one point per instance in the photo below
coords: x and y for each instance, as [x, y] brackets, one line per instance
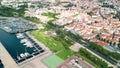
[74, 62]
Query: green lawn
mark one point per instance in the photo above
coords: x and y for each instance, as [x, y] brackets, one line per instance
[64, 54]
[53, 61]
[33, 19]
[52, 44]
[50, 15]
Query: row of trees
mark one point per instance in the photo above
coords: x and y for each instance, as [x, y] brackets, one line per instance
[100, 63]
[103, 51]
[76, 37]
[49, 25]
[108, 41]
[33, 19]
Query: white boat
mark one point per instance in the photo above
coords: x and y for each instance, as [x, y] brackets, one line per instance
[29, 44]
[23, 40]
[22, 55]
[18, 57]
[27, 54]
[20, 35]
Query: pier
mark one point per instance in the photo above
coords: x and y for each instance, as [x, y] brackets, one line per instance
[7, 60]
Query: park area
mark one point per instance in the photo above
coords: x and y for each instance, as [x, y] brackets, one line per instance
[52, 44]
[64, 54]
[60, 50]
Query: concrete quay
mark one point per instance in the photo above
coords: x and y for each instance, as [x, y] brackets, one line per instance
[7, 60]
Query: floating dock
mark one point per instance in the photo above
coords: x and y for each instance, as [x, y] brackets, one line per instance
[7, 60]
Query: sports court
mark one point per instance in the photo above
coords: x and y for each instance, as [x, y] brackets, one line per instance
[53, 61]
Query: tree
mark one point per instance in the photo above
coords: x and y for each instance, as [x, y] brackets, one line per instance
[100, 63]
[90, 13]
[103, 51]
[119, 45]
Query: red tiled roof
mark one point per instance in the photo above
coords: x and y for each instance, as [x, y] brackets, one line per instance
[101, 43]
[71, 25]
[108, 37]
[94, 39]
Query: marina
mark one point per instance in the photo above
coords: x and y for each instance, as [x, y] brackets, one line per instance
[16, 25]
[20, 46]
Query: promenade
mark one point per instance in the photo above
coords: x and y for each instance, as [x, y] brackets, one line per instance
[7, 60]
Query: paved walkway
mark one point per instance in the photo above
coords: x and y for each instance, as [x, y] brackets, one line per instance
[7, 60]
[36, 62]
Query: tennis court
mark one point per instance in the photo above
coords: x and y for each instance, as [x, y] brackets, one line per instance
[53, 61]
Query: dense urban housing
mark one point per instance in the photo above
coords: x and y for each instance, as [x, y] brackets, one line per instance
[59, 33]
